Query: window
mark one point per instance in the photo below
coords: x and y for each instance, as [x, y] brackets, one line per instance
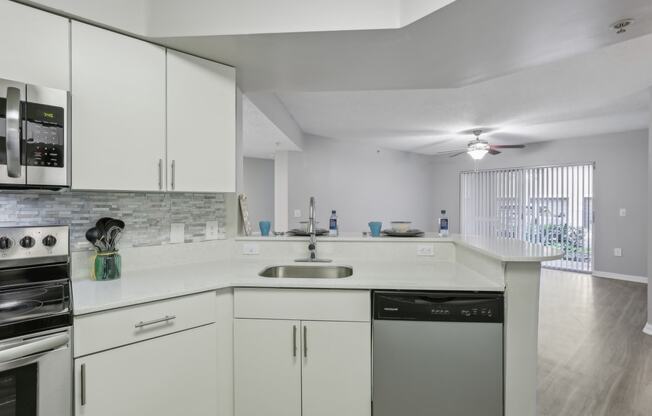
[551, 205]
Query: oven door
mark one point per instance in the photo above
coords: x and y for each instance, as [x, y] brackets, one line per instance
[36, 375]
[12, 168]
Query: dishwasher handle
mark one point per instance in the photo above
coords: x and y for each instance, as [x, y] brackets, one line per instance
[437, 298]
[439, 306]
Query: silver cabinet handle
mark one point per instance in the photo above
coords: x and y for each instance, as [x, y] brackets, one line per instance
[173, 174]
[294, 340]
[165, 319]
[305, 342]
[160, 174]
[13, 132]
[83, 385]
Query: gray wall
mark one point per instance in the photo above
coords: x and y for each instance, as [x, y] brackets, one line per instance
[620, 181]
[259, 187]
[363, 183]
[147, 216]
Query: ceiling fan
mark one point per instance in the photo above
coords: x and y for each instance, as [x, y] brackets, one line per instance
[478, 148]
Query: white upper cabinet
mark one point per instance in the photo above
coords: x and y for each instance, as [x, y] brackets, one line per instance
[118, 111]
[200, 124]
[34, 46]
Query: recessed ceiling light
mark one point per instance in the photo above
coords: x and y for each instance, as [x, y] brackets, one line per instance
[621, 25]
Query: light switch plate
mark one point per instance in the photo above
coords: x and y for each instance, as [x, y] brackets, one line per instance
[623, 212]
[297, 213]
[212, 230]
[177, 232]
[425, 250]
[618, 252]
[250, 249]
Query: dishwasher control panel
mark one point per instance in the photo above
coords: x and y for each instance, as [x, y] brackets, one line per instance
[439, 306]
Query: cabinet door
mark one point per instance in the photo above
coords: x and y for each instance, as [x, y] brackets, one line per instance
[35, 46]
[168, 376]
[267, 369]
[336, 370]
[201, 124]
[118, 111]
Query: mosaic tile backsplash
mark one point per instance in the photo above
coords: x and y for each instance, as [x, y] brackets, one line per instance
[147, 215]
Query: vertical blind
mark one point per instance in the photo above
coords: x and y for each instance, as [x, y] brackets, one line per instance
[549, 205]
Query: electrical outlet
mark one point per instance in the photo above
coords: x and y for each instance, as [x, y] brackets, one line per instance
[250, 249]
[425, 250]
[618, 252]
[623, 212]
[177, 233]
[297, 213]
[212, 230]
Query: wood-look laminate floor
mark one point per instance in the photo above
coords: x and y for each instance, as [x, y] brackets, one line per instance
[594, 360]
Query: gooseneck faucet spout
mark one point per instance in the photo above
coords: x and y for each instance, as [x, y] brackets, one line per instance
[312, 231]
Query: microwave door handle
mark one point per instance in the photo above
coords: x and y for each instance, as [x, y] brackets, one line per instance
[13, 132]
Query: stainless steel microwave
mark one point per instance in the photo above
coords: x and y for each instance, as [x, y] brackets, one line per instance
[34, 151]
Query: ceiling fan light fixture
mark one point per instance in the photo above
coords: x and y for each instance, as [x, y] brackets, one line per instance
[477, 154]
[478, 149]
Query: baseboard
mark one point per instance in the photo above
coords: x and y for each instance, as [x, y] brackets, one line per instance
[618, 276]
[648, 329]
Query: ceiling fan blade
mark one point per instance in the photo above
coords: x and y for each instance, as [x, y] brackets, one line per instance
[458, 153]
[450, 152]
[493, 151]
[507, 146]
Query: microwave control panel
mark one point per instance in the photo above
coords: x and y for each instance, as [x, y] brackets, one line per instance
[44, 136]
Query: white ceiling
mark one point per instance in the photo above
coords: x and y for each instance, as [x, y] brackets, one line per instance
[465, 42]
[531, 69]
[260, 137]
[597, 92]
[180, 18]
[229, 17]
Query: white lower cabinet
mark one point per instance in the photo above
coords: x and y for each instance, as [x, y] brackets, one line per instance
[267, 378]
[336, 371]
[171, 375]
[302, 368]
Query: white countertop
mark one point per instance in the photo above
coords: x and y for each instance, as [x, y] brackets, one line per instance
[348, 237]
[142, 286]
[503, 249]
[507, 249]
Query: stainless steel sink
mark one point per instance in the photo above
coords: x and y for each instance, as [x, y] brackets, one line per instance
[307, 271]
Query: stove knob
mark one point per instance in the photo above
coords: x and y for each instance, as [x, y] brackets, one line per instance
[5, 243]
[27, 242]
[49, 241]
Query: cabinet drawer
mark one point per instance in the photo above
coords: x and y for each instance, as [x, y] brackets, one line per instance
[105, 330]
[302, 304]
[167, 376]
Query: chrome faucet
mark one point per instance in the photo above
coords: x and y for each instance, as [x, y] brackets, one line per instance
[312, 242]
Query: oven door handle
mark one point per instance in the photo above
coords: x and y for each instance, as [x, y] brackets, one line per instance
[12, 133]
[27, 350]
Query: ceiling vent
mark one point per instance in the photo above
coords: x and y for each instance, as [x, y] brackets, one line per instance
[621, 25]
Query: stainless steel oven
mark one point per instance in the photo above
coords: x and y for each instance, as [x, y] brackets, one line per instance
[35, 322]
[34, 150]
[35, 375]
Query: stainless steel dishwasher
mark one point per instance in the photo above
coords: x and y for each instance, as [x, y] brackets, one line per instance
[438, 353]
